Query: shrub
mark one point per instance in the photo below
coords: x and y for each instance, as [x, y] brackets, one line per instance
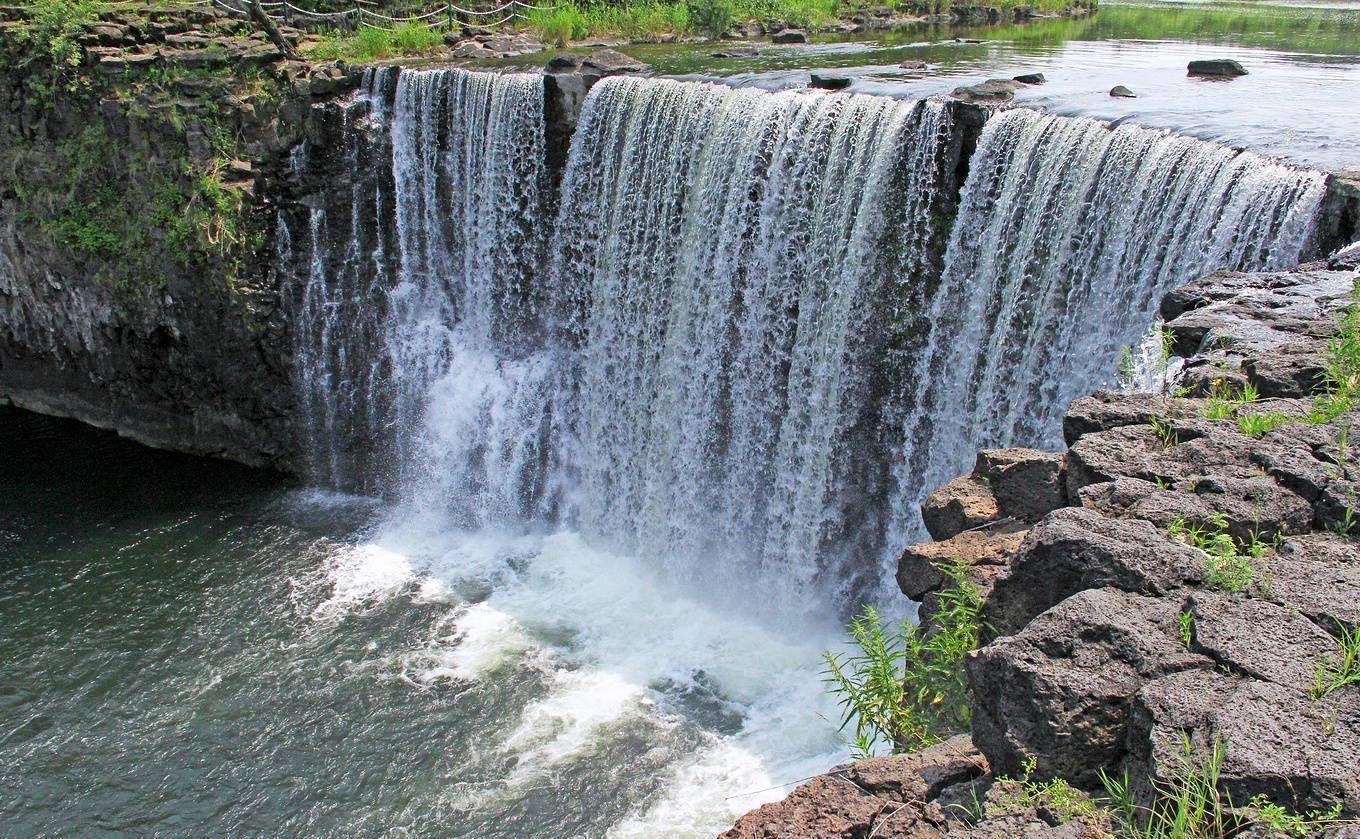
[907, 686]
[711, 17]
[53, 26]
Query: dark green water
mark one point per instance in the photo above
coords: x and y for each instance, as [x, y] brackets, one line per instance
[191, 648]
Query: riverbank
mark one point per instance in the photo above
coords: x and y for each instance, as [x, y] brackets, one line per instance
[1172, 599]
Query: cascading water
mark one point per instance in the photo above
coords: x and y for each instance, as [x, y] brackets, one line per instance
[1068, 233]
[734, 261]
[421, 279]
[747, 347]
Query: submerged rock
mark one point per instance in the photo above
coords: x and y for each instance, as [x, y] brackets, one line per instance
[1216, 67]
[736, 52]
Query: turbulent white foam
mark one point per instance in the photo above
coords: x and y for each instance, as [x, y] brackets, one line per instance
[611, 640]
[362, 576]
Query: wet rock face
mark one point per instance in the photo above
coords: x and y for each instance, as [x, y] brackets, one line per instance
[568, 77]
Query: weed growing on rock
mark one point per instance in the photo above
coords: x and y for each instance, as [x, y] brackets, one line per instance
[1227, 567]
[1064, 801]
[1223, 403]
[1281, 822]
[906, 686]
[1256, 425]
[1341, 378]
[1341, 669]
[1186, 621]
[1187, 805]
[1166, 434]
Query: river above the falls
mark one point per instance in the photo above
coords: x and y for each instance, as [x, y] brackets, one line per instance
[1299, 100]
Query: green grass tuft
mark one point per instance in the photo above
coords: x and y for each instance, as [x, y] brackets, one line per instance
[1341, 669]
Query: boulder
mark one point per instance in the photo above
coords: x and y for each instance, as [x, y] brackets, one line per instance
[984, 552]
[1126, 451]
[829, 82]
[789, 36]
[1030, 78]
[1121, 92]
[1277, 741]
[919, 776]
[990, 92]
[1259, 639]
[609, 61]
[1027, 483]
[881, 797]
[913, 65]
[1318, 574]
[962, 504]
[826, 806]
[1216, 68]
[1076, 549]
[736, 52]
[1106, 409]
[1059, 690]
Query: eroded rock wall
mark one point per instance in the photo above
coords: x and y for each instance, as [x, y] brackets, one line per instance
[138, 187]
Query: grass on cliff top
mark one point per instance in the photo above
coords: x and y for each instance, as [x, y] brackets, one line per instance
[368, 44]
[641, 20]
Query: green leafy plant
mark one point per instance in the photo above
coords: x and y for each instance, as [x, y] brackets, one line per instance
[1227, 566]
[1340, 669]
[906, 686]
[1341, 377]
[1187, 805]
[1057, 796]
[1186, 621]
[1256, 425]
[1166, 433]
[711, 17]
[1281, 822]
[52, 29]
[1223, 402]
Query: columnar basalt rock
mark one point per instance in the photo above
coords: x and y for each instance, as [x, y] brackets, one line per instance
[1109, 649]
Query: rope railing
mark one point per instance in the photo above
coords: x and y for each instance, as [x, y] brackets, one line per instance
[442, 16]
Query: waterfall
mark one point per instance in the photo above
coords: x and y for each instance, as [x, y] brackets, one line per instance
[732, 262]
[1068, 233]
[763, 325]
[418, 312]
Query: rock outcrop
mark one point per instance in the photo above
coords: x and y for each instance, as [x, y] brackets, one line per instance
[136, 195]
[1113, 644]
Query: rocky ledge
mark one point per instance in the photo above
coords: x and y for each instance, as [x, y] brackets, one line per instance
[1174, 583]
